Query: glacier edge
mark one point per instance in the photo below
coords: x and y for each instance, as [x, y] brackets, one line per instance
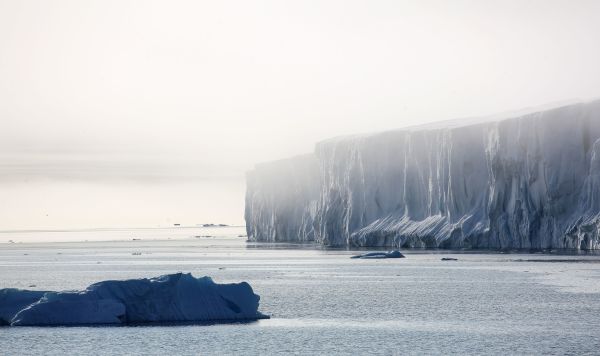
[524, 182]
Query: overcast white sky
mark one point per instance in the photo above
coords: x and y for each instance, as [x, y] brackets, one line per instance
[129, 94]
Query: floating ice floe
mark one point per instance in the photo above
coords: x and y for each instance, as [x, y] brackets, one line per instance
[173, 298]
[389, 254]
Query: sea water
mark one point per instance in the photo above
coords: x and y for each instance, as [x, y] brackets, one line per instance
[320, 301]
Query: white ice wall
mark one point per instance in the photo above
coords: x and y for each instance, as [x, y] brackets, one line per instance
[531, 181]
[281, 200]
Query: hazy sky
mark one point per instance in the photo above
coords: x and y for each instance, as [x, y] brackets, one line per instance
[109, 109]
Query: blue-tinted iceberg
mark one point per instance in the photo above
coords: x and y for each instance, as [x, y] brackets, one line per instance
[389, 254]
[13, 300]
[173, 298]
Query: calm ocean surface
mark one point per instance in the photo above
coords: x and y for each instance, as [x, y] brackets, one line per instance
[321, 301]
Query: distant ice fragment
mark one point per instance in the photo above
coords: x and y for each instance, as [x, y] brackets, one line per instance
[166, 299]
[389, 254]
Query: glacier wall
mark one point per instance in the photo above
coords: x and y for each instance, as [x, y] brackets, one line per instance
[281, 200]
[529, 181]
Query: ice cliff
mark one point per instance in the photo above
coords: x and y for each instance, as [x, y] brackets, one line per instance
[165, 299]
[526, 180]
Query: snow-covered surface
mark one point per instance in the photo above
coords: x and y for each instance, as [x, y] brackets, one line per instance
[165, 299]
[521, 180]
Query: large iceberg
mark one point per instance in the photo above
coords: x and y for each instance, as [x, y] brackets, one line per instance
[166, 299]
[525, 180]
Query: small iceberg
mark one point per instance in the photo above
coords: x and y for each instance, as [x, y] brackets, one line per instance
[173, 298]
[389, 254]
